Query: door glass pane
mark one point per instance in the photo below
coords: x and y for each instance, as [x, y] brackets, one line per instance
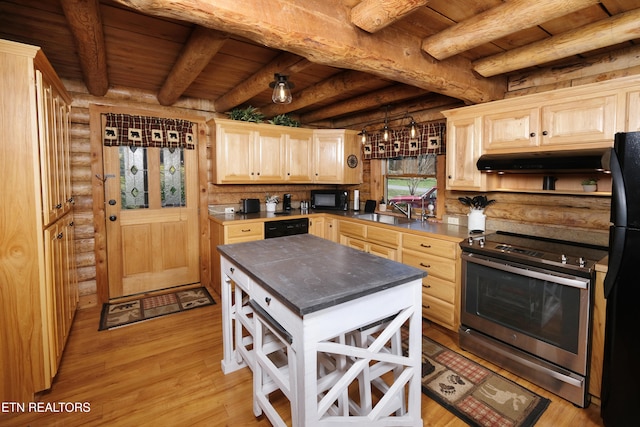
[134, 185]
[172, 177]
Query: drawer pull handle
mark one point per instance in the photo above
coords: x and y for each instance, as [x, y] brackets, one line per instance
[425, 265]
[427, 286]
[232, 269]
[246, 230]
[425, 246]
[267, 300]
[427, 306]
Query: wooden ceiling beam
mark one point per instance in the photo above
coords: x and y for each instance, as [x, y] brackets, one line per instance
[285, 63]
[498, 22]
[202, 46]
[320, 30]
[85, 23]
[374, 15]
[607, 32]
[412, 107]
[326, 89]
[384, 96]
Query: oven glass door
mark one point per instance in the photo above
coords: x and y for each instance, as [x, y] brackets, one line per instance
[532, 309]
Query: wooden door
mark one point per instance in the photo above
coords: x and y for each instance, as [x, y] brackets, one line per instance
[463, 150]
[299, 151]
[268, 156]
[511, 129]
[234, 154]
[151, 205]
[328, 159]
[580, 122]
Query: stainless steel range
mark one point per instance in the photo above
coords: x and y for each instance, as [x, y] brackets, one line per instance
[526, 306]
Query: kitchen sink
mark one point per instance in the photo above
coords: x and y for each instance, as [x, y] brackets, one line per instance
[386, 219]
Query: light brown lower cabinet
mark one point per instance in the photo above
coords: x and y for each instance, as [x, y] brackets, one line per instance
[597, 334]
[220, 234]
[378, 241]
[441, 288]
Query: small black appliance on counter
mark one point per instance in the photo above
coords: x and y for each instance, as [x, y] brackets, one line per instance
[250, 206]
[286, 202]
[330, 199]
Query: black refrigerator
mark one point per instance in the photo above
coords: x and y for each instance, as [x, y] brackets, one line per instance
[621, 369]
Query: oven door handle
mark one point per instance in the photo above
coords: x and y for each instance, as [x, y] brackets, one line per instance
[575, 282]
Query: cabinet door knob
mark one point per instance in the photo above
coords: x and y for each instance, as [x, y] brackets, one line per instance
[532, 134]
[113, 218]
[545, 133]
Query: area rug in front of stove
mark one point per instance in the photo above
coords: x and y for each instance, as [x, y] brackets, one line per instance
[115, 315]
[477, 395]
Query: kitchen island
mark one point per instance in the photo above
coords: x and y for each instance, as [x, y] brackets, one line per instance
[336, 316]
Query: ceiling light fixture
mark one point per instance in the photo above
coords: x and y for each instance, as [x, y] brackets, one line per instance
[386, 130]
[281, 89]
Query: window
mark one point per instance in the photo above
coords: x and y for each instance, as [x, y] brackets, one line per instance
[408, 178]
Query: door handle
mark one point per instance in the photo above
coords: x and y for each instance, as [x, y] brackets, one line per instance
[113, 218]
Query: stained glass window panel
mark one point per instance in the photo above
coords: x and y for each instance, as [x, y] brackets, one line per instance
[134, 184]
[172, 177]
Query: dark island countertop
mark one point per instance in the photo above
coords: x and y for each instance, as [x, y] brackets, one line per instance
[308, 274]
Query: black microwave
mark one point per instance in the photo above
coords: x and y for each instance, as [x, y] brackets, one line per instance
[330, 199]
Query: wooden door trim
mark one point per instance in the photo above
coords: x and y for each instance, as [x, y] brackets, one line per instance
[97, 172]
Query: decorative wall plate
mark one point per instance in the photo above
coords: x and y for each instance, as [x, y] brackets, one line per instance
[352, 161]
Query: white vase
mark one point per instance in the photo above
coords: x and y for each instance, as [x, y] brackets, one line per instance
[271, 207]
[476, 221]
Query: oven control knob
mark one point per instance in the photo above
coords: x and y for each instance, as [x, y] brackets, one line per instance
[470, 240]
[482, 242]
[582, 262]
[563, 258]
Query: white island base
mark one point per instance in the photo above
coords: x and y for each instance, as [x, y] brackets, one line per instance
[340, 365]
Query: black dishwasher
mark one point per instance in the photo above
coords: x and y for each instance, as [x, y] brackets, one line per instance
[286, 227]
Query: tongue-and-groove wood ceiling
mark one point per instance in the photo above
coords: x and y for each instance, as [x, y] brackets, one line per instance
[347, 58]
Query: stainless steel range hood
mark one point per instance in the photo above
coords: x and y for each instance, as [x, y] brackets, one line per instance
[544, 162]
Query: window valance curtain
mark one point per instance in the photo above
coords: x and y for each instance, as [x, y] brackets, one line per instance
[141, 131]
[430, 140]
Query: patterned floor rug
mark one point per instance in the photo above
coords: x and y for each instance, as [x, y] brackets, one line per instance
[477, 395]
[125, 313]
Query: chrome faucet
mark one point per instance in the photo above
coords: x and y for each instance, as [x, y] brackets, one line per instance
[406, 212]
[424, 216]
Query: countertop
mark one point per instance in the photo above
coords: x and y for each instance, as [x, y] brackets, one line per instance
[308, 273]
[453, 232]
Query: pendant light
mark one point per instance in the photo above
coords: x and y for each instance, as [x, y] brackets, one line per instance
[385, 129]
[281, 89]
[413, 128]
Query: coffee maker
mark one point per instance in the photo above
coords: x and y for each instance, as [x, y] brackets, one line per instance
[286, 202]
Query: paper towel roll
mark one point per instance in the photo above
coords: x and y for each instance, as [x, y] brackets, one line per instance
[356, 200]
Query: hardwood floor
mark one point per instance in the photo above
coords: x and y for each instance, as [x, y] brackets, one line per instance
[166, 371]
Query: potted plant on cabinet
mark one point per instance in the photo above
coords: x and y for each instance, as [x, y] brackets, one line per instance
[271, 202]
[590, 184]
[476, 216]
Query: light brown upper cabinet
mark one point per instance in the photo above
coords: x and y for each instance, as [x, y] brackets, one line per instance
[248, 153]
[570, 119]
[39, 287]
[580, 123]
